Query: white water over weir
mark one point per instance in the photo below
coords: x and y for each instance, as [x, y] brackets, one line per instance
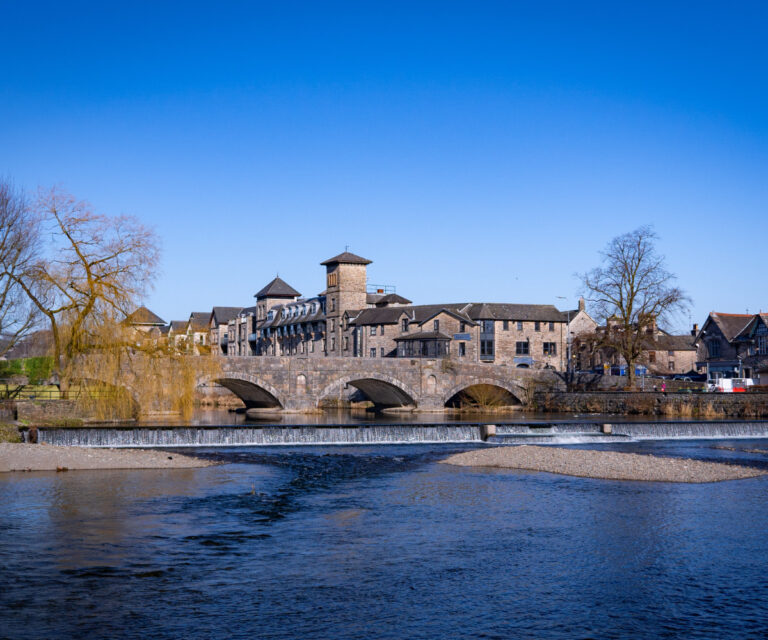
[258, 436]
[530, 433]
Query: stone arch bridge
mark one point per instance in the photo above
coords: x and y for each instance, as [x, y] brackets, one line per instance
[302, 384]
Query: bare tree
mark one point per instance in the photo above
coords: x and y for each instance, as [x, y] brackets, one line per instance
[18, 241]
[633, 293]
[95, 270]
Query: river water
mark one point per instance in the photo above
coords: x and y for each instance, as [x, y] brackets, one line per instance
[383, 542]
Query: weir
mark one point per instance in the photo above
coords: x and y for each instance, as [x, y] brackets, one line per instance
[517, 433]
[259, 436]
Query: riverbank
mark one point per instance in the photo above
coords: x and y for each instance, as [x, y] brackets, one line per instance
[43, 457]
[706, 406]
[607, 465]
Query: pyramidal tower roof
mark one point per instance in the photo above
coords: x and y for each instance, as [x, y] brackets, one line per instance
[345, 258]
[277, 289]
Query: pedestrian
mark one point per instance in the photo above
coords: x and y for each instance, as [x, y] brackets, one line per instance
[663, 387]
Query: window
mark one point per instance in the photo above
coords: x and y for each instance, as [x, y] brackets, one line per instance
[671, 354]
[436, 325]
[404, 325]
[652, 357]
[551, 326]
[521, 348]
[505, 325]
[333, 304]
[373, 352]
[346, 343]
[333, 279]
[714, 348]
[382, 352]
[333, 343]
[462, 327]
[762, 345]
[486, 349]
[312, 347]
[373, 330]
[381, 327]
[462, 349]
[550, 348]
[488, 326]
[333, 324]
[519, 325]
[671, 366]
[537, 326]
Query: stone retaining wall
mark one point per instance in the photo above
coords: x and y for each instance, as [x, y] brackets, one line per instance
[700, 405]
[46, 411]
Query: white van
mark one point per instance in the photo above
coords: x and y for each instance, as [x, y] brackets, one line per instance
[729, 385]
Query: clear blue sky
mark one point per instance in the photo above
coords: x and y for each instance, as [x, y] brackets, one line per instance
[473, 151]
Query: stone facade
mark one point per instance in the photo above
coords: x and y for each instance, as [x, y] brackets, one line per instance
[732, 345]
[349, 320]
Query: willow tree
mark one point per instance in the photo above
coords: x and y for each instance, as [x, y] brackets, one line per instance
[90, 272]
[18, 242]
[632, 292]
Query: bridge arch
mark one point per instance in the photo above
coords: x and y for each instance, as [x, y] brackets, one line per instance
[512, 387]
[381, 389]
[254, 392]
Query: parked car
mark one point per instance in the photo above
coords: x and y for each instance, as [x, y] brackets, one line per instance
[690, 377]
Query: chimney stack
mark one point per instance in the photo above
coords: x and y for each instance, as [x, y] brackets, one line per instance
[695, 329]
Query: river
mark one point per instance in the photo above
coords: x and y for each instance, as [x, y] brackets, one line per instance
[383, 542]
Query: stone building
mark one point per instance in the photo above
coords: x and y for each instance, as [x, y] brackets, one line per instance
[662, 353]
[732, 345]
[218, 322]
[351, 318]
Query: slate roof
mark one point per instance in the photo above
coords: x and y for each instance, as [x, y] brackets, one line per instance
[199, 320]
[392, 298]
[666, 342]
[278, 288]
[731, 324]
[746, 332]
[346, 258]
[178, 326]
[472, 311]
[279, 321]
[222, 315]
[142, 315]
[423, 335]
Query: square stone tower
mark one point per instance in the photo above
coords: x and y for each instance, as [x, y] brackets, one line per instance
[346, 277]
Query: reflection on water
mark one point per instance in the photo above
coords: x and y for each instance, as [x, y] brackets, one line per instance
[350, 542]
[204, 417]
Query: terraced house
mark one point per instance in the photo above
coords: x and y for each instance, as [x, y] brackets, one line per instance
[353, 319]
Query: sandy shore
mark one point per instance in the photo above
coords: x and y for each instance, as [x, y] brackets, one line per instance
[44, 457]
[608, 465]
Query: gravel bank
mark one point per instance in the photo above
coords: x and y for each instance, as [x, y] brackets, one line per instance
[44, 457]
[608, 465]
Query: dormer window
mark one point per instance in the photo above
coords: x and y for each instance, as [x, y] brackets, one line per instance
[436, 325]
[404, 325]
